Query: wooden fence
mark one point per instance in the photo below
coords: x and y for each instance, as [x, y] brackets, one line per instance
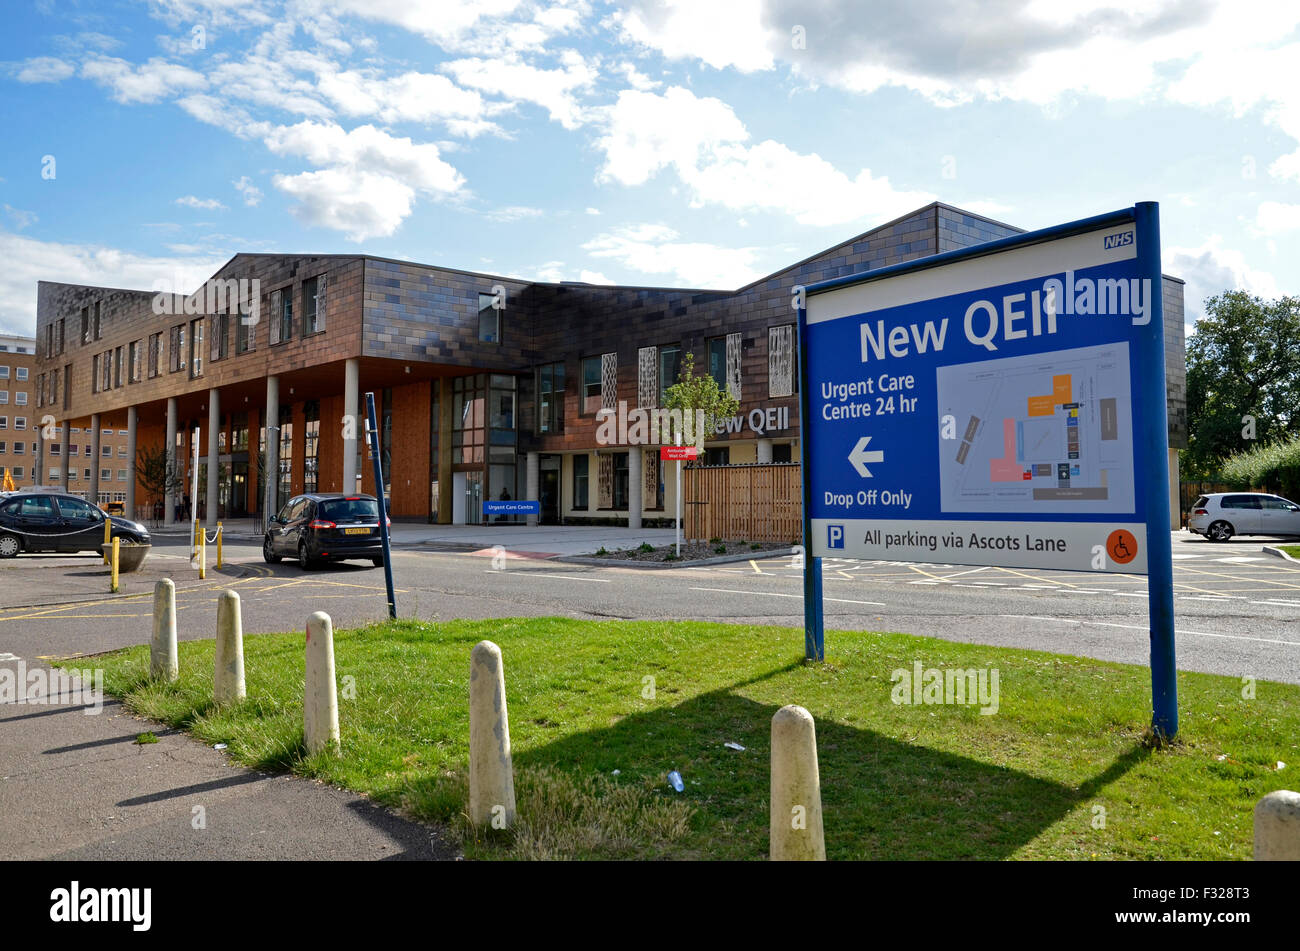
[757, 503]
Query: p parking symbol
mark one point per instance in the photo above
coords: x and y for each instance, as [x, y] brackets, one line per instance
[834, 536]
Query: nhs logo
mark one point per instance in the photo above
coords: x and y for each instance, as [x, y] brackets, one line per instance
[1117, 240]
[834, 536]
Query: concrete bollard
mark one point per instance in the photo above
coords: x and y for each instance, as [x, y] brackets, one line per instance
[163, 664]
[796, 820]
[1277, 827]
[320, 709]
[112, 586]
[228, 679]
[491, 774]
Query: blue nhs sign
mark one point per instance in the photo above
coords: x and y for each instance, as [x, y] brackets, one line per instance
[1117, 240]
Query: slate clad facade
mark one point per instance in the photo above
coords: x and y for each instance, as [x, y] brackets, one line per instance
[486, 387]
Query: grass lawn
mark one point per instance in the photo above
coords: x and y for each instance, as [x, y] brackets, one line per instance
[1292, 550]
[898, 781]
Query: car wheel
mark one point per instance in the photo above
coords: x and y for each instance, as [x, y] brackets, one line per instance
[304, 561]
[10, 546]
[267, 555]
[1219, 532]
[377, 562]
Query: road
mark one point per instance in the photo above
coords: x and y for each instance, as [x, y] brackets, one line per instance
[1237, 608]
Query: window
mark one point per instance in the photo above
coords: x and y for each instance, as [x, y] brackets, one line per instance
[118, 358]
[670, 367]
[4, 397]
[121, 450]
[94, 374]
[106, 366]
[58, 335]
[245, 334]
[717, 350]
[77, 508]
[551, 398]
[20, 398]
[2, 446]
[196, 349]
[4, 372]
[134, 361]
[220, 335]
[20, 422]
[22, 374]
[311, 447]
[56, 449]
[98, 326]
[782, 452]
[313, 305]
[590, 385]
[489, 318]
[1240, 502]
[4, 422]
[73, 449]
[717, 457]
[620, 480]
[20, 448]
[105, 475]
[155, 354]
[85, 325]
[106, 451]
[282, 321]
[17, 472]
[177, 349]
[580, 480]
[38, 506]
[121, 475]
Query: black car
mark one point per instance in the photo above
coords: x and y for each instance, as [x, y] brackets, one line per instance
[53, 521]
[325, 526]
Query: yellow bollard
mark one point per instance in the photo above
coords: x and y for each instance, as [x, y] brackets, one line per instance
[203, 558]
[108, 534]
[113, 587]
[218, 545]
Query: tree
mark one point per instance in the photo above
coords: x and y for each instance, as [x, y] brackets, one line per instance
[156, 473]
[1243, 379]
[699, 394]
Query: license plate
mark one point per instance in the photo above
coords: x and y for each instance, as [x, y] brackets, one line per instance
[356, 531]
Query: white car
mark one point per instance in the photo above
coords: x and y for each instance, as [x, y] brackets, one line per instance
[1220, 516]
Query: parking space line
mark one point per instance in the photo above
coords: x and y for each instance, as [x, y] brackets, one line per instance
[774, 594]
[1142, 627]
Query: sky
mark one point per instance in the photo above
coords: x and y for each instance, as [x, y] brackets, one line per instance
[669, 143]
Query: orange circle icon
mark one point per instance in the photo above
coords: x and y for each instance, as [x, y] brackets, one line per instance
[1122, 546]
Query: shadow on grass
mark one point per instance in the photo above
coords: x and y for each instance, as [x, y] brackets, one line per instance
[882, 798]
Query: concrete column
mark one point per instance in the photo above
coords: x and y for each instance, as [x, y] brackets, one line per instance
[131, 421]
[214, 450]
[94, 462]
[163, 664]
[445, 423]
[67, 453]
[173, 464]
[634, 482]
[38, 477]
[491, 772]
[764, 450]
[228, 675]
[1277, 827]
[272, 466]
[352, 427]
[320, 709]
[796, 820]
[533, 480]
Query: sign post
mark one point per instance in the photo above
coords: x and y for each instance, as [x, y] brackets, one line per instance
[677, 453]
[372, 439]
[1002, 404]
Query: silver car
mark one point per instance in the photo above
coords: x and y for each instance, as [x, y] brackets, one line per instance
[1223, 514]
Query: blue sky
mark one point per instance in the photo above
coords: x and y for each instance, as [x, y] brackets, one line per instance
[698, 144]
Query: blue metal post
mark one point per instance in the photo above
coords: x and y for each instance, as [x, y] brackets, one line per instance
[814, 637]
[1154, 437]
[383, 502]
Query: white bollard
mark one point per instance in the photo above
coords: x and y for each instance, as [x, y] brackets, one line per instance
[491, 775]
[163, 664]
[320, 709]
[228, 681]
[1277, 827]
[796, 820]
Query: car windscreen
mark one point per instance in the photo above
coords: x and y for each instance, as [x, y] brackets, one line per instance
[348, 510]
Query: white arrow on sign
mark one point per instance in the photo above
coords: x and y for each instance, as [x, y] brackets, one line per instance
[860, 457]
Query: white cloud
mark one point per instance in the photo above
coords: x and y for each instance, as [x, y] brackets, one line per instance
[371, 178]
[441, 23]
[409, 97]
[44, 69]
[655, 249]
[252, 194]
[149, 82]
[28, 260]
[593, 211]
[21, 219]
[1274, 218]
[511, 77]
[719, 34]
[205, 204]
[512, 213]
[703, 141]
[1212, 269]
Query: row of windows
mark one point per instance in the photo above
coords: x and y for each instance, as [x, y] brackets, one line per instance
[20, 397]
[20, 373]
[658, 369]
[20, 422]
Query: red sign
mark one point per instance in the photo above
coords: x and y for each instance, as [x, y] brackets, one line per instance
[671, 453]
